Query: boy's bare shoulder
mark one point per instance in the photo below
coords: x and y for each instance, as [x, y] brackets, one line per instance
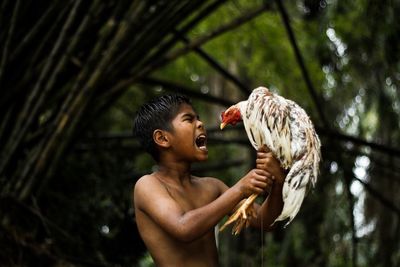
[146, 185]
[146, 182]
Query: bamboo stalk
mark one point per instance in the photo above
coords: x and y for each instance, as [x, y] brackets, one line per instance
[142, 40]
[72, 116]
[31, 69]
[145, 46]
[5, 120]
[164, 21]
[60, 120]
[153, 62]
[47, 38]
[3, 128]
[49, 85]
[138, 68]
[33, 31]
[95, 55]
[164, 47]
[28, 113]
[204, 39]
[7, 43]
[142, 30]
[2, 11]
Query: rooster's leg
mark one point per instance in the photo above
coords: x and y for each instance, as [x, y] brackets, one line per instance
[241, 215]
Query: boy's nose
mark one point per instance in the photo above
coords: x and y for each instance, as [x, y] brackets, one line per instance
[200, 124]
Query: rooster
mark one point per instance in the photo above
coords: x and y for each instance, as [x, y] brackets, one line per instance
[286, 130]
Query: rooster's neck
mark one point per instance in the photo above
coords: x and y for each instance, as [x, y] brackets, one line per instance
[242, 106]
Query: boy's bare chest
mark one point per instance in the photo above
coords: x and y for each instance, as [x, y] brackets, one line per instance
[191, 197]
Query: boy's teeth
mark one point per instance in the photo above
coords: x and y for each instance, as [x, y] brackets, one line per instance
[201, 141]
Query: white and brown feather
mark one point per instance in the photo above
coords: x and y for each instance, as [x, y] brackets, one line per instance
[285, 128]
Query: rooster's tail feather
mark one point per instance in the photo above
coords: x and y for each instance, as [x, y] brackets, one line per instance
[294, 189]
[292, 205]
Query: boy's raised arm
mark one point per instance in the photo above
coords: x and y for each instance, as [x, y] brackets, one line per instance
[153, 199]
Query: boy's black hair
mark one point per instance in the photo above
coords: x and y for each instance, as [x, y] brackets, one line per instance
[156, 114]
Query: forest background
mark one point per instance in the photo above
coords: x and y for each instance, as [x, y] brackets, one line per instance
[73, 73]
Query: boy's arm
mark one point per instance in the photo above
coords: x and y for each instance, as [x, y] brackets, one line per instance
[152, 198]
[272, 207]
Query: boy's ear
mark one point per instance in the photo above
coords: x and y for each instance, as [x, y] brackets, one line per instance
[161, 138]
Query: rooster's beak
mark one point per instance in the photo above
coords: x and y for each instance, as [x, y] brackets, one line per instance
[223, 124]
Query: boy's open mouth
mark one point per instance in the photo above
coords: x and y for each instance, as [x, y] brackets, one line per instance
[201, 142]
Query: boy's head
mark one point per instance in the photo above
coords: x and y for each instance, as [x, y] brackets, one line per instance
[156, 114]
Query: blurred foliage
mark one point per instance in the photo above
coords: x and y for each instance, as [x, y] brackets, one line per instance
[84, 217]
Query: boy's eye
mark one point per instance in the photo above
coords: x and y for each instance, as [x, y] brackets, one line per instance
[191, 118]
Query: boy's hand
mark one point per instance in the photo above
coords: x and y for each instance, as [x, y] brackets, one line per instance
[255, 181]
[267, 162]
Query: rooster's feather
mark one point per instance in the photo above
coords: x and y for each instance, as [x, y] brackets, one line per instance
[285, 128]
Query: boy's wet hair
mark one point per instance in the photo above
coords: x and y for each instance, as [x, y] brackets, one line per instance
[156, 114]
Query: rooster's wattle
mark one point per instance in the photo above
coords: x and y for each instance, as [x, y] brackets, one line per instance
[285, 128]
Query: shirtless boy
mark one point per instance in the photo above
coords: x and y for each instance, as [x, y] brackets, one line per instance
[175, 211]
